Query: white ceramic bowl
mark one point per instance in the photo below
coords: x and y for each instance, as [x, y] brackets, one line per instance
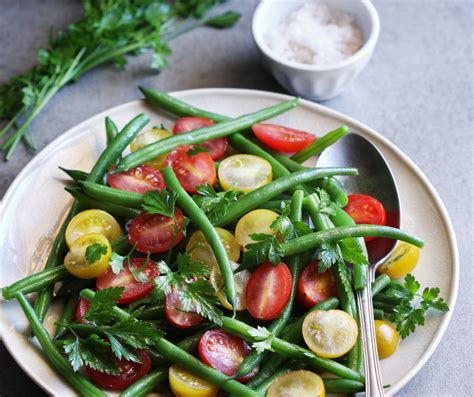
[314, 82]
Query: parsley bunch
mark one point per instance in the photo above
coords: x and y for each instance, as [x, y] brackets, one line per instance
[214, 204]
[109, 30]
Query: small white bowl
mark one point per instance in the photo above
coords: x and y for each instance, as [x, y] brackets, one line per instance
[315, 82]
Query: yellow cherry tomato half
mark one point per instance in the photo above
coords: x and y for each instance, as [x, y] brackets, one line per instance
[151, 136]
[79, 264]
[240, 282]
[297, 383]
[330, 333]
[92, 221]
[387, 338]
[185, 384]
[200, 250]
[244, 172]
[257, 221]
[402, 260]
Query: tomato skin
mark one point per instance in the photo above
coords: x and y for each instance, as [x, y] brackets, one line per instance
[130, 372]
[217, 147]
[268, 291]
[138, 180]
[401, 261]
[192, 171]
[81, 310]
[154, 233]
[224, 352]
[314, 287]
[133, 289]
[282, 139]
[365, 209]
[175, 314]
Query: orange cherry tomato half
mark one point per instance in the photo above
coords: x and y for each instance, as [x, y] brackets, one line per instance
[176, 315]
[268, 291]
[129, 372]
[154, 233]
[138, 180]
[283, 139]
[224, 352]
[192, 171]
[133, 290]
[365, 209]
[217, 147]
[314, 287]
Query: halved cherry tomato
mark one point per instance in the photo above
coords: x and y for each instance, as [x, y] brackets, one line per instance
[92, 221]
[129, 372]
[192, 171]
[297, 383]
[401, 261]
[268, 291]
[175, 314]
[314, 287]
[240, 282]
[134, 290]
[365, 209]
[217, 147]
[139, 180]
[76, 261]
[186, 384]
[224, 352]
[81, 310]
[154, 233]
[387, 338]
[151, 136]
[254, 222]
[281, 138]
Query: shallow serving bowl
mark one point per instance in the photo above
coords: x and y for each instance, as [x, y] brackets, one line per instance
[35, 204]
[314, 82]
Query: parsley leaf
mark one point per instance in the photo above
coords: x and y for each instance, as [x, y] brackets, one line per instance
[94, 252]
[116, 262]
[352, 252]
[267, 247]
[139, 274]
[100, 310]
[411, 309]
[224, 20]
[161, 203]
[264, 339]
[326, 206]
[214, 204]
[328, 254]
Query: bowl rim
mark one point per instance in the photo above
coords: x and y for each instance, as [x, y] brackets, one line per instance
[368, 46]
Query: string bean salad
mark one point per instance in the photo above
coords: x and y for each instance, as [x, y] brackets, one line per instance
[192, 261]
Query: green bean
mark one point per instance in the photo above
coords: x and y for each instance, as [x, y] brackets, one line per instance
[146, 384]
[386, 307]
[36, 282]
[112, 195]
[274, 204]
[379, 314]
[76, 175]
[76, 380]
[153, 312]
[292, 350]
[73, 286]
[176, 355]
[111, 130]
[381, 297]
[254, 199]
[319, 144]
[293, 334]
[67, 315]
[342, 386]
[380, 283]
[199, 218]
[199, 135]
[295, 264]
[113, 209]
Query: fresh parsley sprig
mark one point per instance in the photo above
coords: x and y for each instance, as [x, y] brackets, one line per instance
[94, 252]
[214, 204]
[160, 202]
[411, 307]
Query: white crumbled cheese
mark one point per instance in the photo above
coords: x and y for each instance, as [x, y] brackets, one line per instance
[315, 34]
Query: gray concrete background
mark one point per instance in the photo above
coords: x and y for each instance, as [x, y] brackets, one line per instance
[417, 91]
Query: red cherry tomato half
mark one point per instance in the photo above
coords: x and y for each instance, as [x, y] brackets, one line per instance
[129, 372]
[268, 291]
[365, 209]
[81, 310]
[138, 180]
[281, 138]
[133, 289]
[217, 147]
[314, 287]
[192, 171]
[224, 352]
[154, 233]
[175, 314]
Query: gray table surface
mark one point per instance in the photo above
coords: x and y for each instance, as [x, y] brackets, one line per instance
[417, 91]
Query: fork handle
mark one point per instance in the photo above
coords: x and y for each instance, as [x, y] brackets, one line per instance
[373, 377]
